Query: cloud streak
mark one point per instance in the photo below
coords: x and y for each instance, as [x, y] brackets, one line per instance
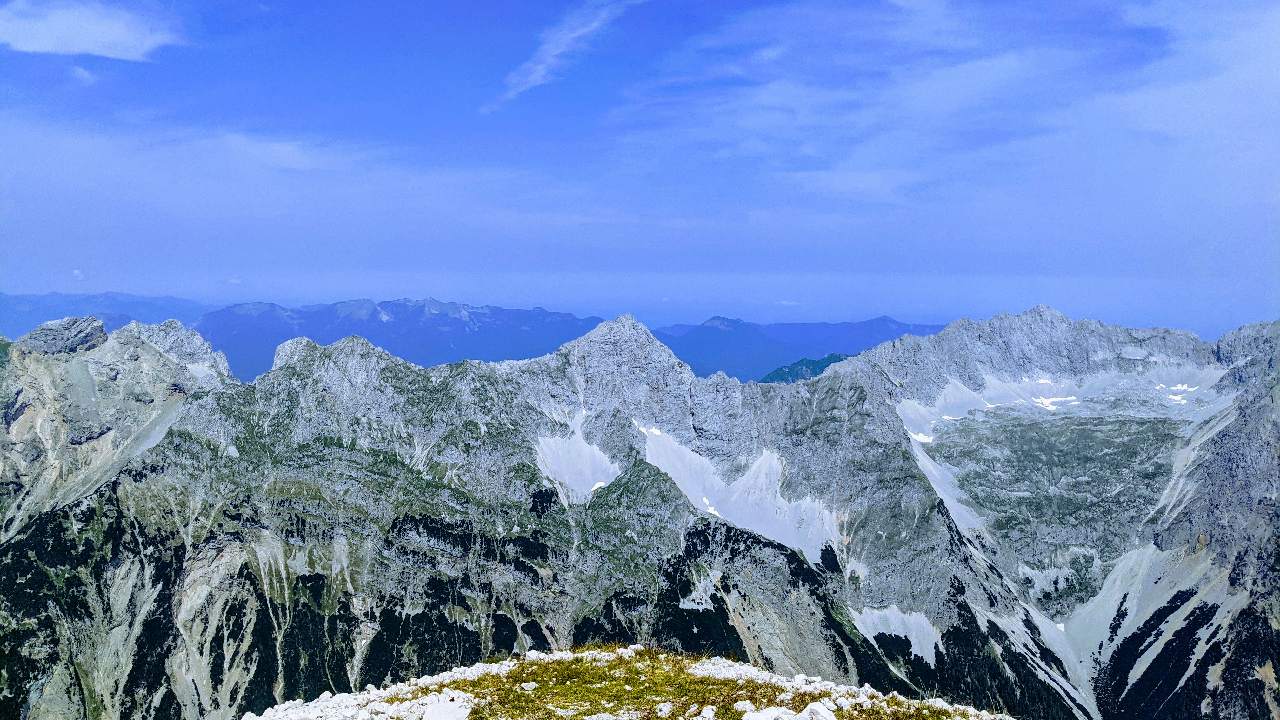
[83, 28]
[559, 44]
[1123, 146]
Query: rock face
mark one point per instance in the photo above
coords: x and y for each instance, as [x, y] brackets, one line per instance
[1047, 517]
[67, 335]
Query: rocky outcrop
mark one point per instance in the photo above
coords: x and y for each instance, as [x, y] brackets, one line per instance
[67, 335]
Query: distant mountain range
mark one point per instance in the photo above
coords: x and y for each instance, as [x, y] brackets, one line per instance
[431, 332]
[20, 314]
[425, 332]
[749, 351]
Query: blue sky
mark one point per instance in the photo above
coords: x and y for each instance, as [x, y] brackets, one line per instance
[797, 160]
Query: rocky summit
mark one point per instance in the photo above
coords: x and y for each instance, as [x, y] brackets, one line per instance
[1031, 515]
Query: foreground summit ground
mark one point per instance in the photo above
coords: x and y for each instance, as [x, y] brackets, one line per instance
[626, 683]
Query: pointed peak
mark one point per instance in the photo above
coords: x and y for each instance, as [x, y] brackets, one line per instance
[622, 326]
[291, 352]
[622, 337]
[644, 484]
[1042, 312]
[720, 322]
[354, 343]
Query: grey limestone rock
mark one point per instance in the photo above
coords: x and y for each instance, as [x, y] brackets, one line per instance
[68, 335]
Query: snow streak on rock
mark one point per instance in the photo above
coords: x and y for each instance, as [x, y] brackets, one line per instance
[581, 468]
[753, 501]
[914, 626]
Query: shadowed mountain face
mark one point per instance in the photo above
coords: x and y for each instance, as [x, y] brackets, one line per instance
[803, 369]
[1053, 518]
[749, 351]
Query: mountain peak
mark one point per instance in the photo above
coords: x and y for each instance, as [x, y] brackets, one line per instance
[183, 345]
[623, 327]
[291, 351]
[300, 349]
[357, 309]
[623, 339]
[721, 322]
[68, 335]
[1044, 312]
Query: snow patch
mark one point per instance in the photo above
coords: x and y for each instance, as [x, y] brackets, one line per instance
[943, 479]
[1048, 403]
[699, 598]
[914, 626]
[580, 467]
[1142, 581]
[753, 501]
[1150, 392]
[1075, 684]
[1181, 487]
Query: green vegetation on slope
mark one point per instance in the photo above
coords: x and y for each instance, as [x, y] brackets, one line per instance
[802, 369]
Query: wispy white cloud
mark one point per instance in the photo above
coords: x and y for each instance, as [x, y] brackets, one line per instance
[83, 28]
[558, 45]
[83, 76]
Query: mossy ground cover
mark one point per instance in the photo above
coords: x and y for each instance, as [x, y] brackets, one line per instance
[654, 683]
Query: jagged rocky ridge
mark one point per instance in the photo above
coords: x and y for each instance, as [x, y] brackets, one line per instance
[1047, 517]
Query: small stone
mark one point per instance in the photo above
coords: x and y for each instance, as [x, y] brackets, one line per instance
[817, 711]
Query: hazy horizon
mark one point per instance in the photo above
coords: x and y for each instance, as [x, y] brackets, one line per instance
[800, 160]
[671, 315]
